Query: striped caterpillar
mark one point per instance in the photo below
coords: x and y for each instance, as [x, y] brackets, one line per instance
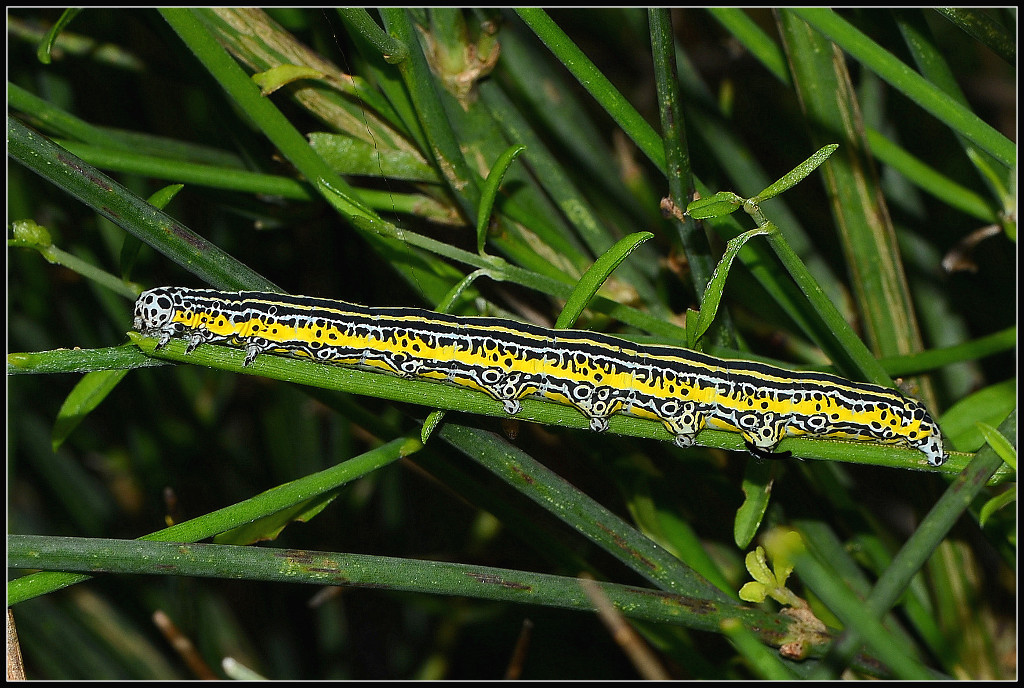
[596, 374]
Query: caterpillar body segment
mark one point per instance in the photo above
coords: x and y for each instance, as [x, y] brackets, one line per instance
[597, 374]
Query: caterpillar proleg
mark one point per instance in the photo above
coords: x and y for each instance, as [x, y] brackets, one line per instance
[597, 374]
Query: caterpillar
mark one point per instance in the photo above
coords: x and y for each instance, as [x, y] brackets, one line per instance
[597, 374]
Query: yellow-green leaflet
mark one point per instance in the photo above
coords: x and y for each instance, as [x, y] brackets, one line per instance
[596, 374]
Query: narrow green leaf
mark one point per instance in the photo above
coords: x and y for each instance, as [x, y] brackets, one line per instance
[392, 50]
[46, 45]
[757, 490]
[126, 356]
[591, 78]
[86, 395]
[596, 275]
[269, 527]
[350, 156]
[282, 75]
[121, 206]
[720, 204]
[931, 98]
[434, 419]
[716, 287]
[991, 405]
[162, 197]
[233, 516]
[489, 192]
[1006, 451]
[132, 244]
[976, 22]
[797, 174]
[993, 505]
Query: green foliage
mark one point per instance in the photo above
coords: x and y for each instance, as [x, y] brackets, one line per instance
[385, 164]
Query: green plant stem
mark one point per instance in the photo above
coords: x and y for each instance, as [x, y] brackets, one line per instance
[598, 524]
[923, 542]
[262, 110]
[858, 355]
[933, 359]
[912, 84]
[80, 360]
[127, 210]
[591, 78]
[499, 268]
[677, 154]
[58, 120]
[443, 142]
[979, 25]
[233, 516]
[217, 177]
[868, 236]
[392, 50]
[336, 568]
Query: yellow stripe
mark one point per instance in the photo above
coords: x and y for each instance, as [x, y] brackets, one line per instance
[596, 374]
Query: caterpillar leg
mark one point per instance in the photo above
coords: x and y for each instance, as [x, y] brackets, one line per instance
[766, 454]
[195, 339]
[762, 435]
[597, 403]
[253, 350]
[683, 441]
[508, 388]
[684, 420]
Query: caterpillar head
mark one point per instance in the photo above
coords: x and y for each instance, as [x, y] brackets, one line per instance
[153, 311]
[928, 436]
[932, 448]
